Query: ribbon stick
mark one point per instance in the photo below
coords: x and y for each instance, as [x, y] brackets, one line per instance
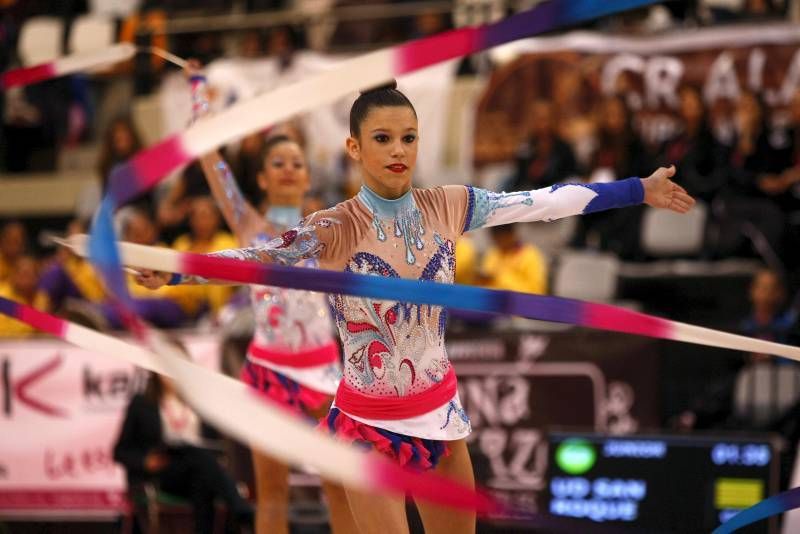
[237, 410]
[67, 65]
[544, 308]
[148, 166]
[172, 58]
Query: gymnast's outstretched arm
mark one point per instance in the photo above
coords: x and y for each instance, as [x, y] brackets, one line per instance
[485, 208]
[319, 234]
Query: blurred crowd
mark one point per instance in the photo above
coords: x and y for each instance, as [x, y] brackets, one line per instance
[737, 156]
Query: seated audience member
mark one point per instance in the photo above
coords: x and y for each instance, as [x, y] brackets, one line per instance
[71, 277]
[120, 143]
[545, 158]
[513, 265]
[206, 236]
[163, 441]
[167, 307]
[13, 244]
[22, 286]
[758, 396]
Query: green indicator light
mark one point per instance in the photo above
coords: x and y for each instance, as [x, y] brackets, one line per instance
[575, 456]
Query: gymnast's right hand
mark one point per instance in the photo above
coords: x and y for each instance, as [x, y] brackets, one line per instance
[152, 279]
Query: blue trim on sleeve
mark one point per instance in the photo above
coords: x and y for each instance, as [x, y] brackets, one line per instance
[617, 194]
[197, 78]
[175, 279]
[470, 209]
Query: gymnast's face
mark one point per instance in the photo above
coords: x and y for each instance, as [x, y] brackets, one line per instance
[386, 149]
[285, 175]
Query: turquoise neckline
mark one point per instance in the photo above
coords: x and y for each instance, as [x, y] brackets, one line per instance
[383, 207]
[286, 216]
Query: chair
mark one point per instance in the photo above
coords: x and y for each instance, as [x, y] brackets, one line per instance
[587, 276]
[90, 33]
[40, 40]
[158, 512]
[665, 233]
[114, 8]
[550, 237]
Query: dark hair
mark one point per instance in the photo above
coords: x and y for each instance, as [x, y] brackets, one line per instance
[503, 229]
[108, 155]
[383, 96]
[272, 142]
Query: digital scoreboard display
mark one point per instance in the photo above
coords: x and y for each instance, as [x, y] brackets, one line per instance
[677, 483]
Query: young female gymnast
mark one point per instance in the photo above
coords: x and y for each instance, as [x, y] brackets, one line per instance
[294, 357]
[399, 392]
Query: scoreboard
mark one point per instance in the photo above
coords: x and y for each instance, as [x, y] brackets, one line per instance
[660, 483]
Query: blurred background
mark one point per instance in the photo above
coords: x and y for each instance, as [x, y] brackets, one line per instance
[680, 437]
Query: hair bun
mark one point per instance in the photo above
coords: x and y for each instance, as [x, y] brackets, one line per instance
[388, 86]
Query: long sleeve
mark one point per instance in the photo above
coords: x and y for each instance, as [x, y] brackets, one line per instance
[238, 213]
[129, 450]
[321, 235]
[485, 208]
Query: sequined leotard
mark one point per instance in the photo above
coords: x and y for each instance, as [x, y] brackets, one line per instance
[396, 349]
[293, 325]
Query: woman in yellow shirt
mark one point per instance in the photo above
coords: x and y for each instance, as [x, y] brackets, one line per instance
[205, 237]
[22, 286]
[513, 265]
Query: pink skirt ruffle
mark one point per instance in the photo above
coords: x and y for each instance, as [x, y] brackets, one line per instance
[408, 451]
[282, 389]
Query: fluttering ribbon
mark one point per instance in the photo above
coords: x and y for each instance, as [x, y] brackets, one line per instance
[82, 62]
[237, 410]
[777, 504]
[541, 307]
[66, 65]
[253, 414]
[150, 165]
[145, 169]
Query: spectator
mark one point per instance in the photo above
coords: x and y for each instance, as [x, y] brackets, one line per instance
[206, 236]
[251, 45]
[429, 22]
[169, 306]
[692, 151]
[544, 159]
[620, 154]
[619, 151]
[743, 206]
[784, 173]
[282, 43]
[13, 244]
[22, 286]
[513, 265]
[758, 396]
[175, 205]
[71, 277]
[120, 143]
[162, 441]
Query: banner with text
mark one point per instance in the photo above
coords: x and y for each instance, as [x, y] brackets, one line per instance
[516, 387]
[60, 412]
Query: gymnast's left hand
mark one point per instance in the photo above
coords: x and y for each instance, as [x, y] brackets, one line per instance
[661, 192]
[152, 279]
